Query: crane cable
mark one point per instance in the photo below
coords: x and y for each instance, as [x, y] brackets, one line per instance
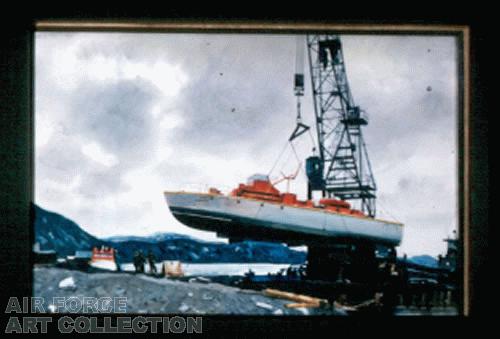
[300, 128]
[380, 200]
[290, 142]
[278, 158]
[283, 151]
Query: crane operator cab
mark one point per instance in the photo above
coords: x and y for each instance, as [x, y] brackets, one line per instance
[314, 171]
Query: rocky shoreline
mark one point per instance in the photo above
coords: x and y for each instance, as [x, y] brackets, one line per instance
[147, 294]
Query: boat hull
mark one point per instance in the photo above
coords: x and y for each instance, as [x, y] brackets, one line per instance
[244, 218]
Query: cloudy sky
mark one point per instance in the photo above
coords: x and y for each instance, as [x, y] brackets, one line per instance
[122, 117]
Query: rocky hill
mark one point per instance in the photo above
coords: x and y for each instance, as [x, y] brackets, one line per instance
[55, 232]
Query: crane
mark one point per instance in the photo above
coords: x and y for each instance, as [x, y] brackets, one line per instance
[342, 168]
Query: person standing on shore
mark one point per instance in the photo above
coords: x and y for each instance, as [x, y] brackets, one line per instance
[151, 262]
[139, 261]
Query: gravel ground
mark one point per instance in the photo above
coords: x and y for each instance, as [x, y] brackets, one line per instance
[146, 294]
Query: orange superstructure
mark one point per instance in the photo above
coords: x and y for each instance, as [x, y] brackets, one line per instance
[261, 188]
[258, 189]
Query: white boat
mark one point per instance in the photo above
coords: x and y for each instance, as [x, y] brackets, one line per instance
[259, 211]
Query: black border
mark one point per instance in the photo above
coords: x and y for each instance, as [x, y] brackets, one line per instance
[16, 161]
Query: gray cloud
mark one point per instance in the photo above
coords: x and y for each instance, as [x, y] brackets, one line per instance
[63, 162]
[236, 101]
[103, 182]
[239, 85]
[117, 115]
[60, 160]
